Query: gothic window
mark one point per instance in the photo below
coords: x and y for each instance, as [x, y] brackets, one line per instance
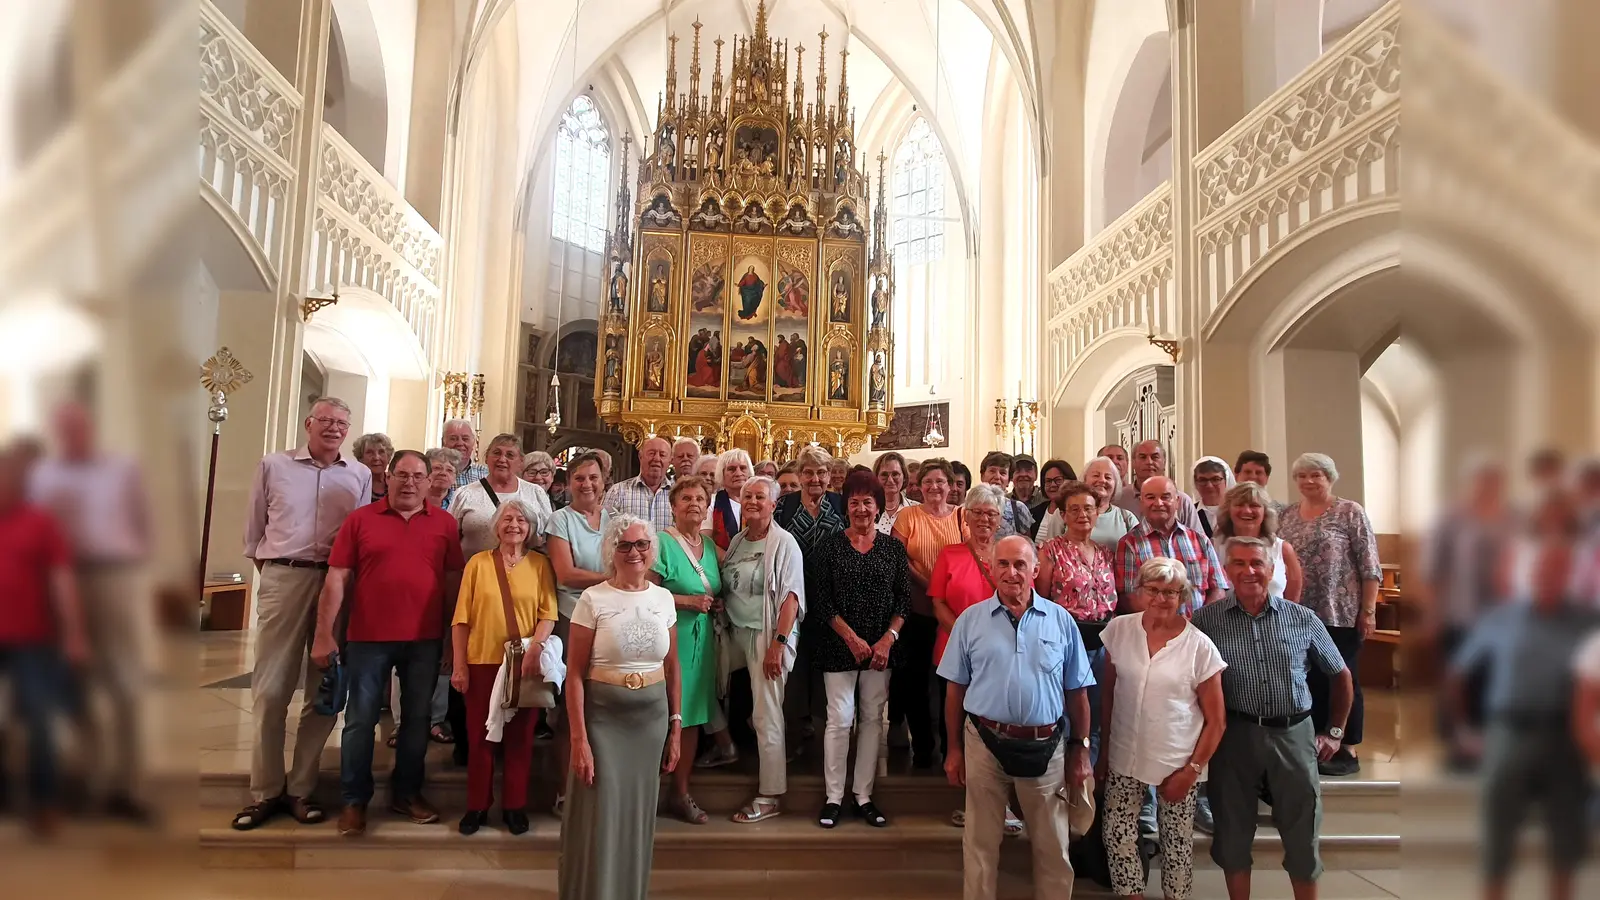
[582, 171]
[916, 204]
[917, 223]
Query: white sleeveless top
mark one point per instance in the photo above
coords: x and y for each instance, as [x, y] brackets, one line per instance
[1280, 577]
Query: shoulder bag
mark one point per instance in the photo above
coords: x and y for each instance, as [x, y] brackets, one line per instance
[722, 643]
[521, 692]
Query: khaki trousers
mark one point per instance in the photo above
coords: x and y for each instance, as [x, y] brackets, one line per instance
[286, 618]
[118, 619]
[1044, 807]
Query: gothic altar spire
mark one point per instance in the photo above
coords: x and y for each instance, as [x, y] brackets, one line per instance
[716, 79]
[672, 72]
[822, 70]
[844, 81]
[694, 69]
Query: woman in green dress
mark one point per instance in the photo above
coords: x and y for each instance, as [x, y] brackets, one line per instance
[688, 566]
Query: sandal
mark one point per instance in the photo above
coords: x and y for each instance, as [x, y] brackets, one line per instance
[758, 810]
[829, 816]
[958, 818]
[306, 812]
[1013, 824]
[440, 734]
[257, 814]
[394, 738]
[869, 811]
[689, 811]
[560, 805]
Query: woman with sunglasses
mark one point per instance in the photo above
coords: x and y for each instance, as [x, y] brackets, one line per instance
[622, 699]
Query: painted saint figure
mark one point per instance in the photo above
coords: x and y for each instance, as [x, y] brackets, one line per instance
[880, 304]
[655, 366]
[751, 287]
[839, 310]
[838, 375]
[658, 288]
[879, 390]
[798, 365]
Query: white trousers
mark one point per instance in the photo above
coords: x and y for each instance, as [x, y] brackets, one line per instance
[766, 694]
[841, 688]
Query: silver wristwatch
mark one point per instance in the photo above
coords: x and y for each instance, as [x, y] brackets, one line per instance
[1336, 732]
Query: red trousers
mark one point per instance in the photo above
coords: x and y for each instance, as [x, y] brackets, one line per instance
[517, 743]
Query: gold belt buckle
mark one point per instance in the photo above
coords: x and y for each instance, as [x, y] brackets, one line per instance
[633, 681]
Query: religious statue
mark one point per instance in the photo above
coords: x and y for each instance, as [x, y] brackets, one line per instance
[879, 390]
[658, 291]
[838, 375]
[655, 366]
[613, 379]
[751, 288]
[844, 224]
[660, 214]
[880, 303]
[796, 223]
[710, 216]
[619, 290]
[839, 309]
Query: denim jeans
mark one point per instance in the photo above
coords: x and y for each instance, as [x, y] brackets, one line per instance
[41, 692]
[369, 664]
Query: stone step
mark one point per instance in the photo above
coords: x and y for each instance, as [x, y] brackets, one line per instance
[791, 842]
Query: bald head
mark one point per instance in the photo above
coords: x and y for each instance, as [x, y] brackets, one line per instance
[1149, 459]
[1015, 565]
[1158, 500]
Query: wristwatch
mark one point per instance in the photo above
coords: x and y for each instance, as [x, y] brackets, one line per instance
[1336, 732]
[782, 639]
[1196, 768]
[1082, 742]
[896, 634]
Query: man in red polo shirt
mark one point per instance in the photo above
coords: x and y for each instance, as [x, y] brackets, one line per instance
[40, 627]
[405, 556]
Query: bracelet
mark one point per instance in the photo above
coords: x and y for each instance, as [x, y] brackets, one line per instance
[675, 717]
[1196, 767]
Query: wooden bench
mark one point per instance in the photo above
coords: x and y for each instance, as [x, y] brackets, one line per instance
[225, 605]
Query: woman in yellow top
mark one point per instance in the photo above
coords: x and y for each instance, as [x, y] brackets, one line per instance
[478, 637]
[925, 530]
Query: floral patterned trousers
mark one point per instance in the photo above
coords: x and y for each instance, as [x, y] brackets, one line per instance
[1120, 828]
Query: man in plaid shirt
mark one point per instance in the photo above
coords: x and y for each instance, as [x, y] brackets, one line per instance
[1161, 534]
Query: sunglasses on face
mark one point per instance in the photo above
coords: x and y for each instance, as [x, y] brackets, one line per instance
[640, 546]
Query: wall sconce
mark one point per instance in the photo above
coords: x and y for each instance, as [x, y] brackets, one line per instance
[1170, 346]
[309, 304]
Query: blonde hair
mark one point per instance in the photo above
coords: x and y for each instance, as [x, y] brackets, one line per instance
[815, 457]
[1240, 493]
[1163, 571]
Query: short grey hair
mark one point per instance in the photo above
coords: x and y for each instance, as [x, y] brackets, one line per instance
[712, 459]
[368, 441]
[466, 423]
[515, 504]
[539, 458]
[1104, 461]
[984, 496]
[728, 458]
[763, 482]
[500, 440]
[1235, 543]
[334, 402]
[618, 526]
[451, 458]
[686, 440]
[816, 457]
[1315, 462]
[1164, 571]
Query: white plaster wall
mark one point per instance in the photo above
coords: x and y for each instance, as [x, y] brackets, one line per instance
[397, 37]
[1381, 461]
[1118, 31]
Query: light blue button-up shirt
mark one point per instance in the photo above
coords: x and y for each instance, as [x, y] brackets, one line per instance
[1016, 675]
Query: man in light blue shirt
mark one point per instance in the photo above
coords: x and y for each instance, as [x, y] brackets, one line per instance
[1016, 664]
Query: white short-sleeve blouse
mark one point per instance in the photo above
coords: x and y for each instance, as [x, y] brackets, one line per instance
[1155, 714]
[631, 628]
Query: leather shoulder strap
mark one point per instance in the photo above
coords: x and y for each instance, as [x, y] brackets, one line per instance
[494, 498]
[512, 632]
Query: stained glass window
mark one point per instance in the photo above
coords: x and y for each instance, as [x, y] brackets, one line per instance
[916, 204]
[582, 171]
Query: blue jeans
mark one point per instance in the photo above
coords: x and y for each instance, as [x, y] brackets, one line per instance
[368, 664]
[40, 686]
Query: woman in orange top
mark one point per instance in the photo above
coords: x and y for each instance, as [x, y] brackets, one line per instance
[925, 530]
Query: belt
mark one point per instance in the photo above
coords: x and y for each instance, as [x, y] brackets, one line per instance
[633, 681]
[298, 563]
[1271, 721]
[1020, 732]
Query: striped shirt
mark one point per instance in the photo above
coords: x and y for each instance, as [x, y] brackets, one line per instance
[470, 475]
[1267, 654]
[1183, 544]
[634, 498]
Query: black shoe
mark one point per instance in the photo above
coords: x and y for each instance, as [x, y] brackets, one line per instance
[869, 811]
[543, 731]
[516, 821]
[1343, 763]
[477, 818]
[829, 816]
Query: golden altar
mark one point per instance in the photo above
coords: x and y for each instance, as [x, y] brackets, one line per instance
[744, 305]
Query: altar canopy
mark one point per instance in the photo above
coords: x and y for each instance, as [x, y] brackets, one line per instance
[745, 307]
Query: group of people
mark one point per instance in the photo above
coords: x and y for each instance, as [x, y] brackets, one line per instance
[1032, 628]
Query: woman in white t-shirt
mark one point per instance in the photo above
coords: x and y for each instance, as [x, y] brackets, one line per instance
[622, 703]
[474, 505]
[1162, 717]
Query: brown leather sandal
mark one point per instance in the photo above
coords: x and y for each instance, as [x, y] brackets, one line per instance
[306, 812]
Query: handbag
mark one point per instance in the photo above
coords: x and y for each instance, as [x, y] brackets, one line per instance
[334, 688]
[721, 643]
[521, 692]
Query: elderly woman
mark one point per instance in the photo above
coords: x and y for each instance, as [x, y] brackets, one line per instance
[1338, 555]
[375, 450]
[622, 701]
[1247, 510]
[474, 504]
[891, 471]
[812, 515]
[913, 485]
[960, 481]
[767, 469]
[733, 470]
[925, 531]
[764, 598]
[443, 463]
[540, 469]
[706, 468]
[1103, 479]
[860, 584]
[788, 479]
[1052, 476]
[1080, 576]
[838, 471]
[1161, 719]
[478, 636]
[573, 540]
[690, 567]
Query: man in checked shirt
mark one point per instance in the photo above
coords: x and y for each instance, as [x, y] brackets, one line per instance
[1268, 642]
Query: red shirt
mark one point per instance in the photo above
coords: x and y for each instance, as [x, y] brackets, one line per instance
[31, 546]
[960, 581]
[399, 567]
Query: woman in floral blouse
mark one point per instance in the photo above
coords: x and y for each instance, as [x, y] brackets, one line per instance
[1079, 574]
[1339, 563]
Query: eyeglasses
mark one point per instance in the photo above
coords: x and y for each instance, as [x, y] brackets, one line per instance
[326, 422]
[640, 546]
[1054, 480]
[1210, 479]
[1169, 593]
[1081, 510]
[407, 477]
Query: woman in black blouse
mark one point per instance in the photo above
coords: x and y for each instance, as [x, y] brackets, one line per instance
[858, 582]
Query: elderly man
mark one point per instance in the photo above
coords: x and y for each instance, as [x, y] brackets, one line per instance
[1016, 665]
[1161, 534]
[459, 436]
[1014, 515]
[1150, 460]
[1530, 652]
[1119, 457]
[405, 556]
[646, 495]
[685, 453]
[298, 501]
[98, 500]
[1268, 642]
